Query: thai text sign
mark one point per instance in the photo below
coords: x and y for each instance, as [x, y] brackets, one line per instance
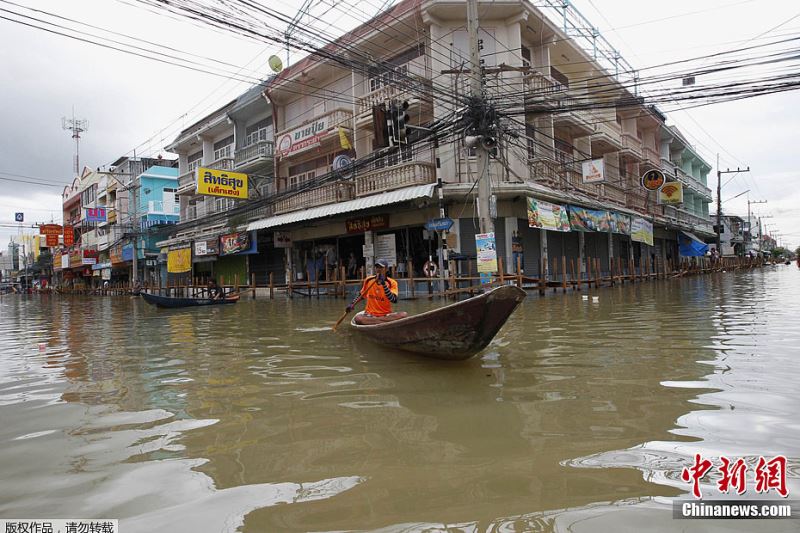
[545, 215]
[671, 193]
[305, 136]
[283, 239]
[206, 247]
[487, 252]
[362, 224]
[213, 182]
[234, 243]
[69, 236]
[52, 240]
[95, 214]
[642, 231]
[50, 229]
[179, 261]
[593, 171]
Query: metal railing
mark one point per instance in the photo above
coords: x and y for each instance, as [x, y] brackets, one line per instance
[338, 117]
[254, 152]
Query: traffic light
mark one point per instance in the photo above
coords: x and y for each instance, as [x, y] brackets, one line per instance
[380, 126]
[401, 119]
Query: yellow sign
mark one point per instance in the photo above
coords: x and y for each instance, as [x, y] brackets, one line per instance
[179, 261]
[671, 193]
[215, 182]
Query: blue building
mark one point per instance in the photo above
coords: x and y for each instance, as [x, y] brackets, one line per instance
[157, 206]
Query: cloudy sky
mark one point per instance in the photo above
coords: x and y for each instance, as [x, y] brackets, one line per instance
[132, 103]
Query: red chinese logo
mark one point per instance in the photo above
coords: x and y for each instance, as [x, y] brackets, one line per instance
[769, 474]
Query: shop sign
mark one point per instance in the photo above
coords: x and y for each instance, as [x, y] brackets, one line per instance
[439, 224]
[306, 136]
[95, 214]
[652, 180]
[151, 262]
[671, 193]
[234, 243]
[106, 274]
[213, 182]
[283, 239]
[69, 236]
[362, 224]
[115, 254]
[52, 240]
[50, 229]
[127, 252]
[593, 171]
[206, 247]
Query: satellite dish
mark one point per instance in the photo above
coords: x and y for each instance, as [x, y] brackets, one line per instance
[275, 64]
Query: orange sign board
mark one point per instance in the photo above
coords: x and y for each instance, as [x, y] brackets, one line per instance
[50, 229]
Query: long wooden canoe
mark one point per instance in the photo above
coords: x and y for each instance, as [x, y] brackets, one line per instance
[173, 301]
[456, 332]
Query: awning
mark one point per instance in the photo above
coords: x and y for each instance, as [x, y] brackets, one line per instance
[691, 246]
[392, 197]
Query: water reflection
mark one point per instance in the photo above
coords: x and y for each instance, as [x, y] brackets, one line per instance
[579, 415]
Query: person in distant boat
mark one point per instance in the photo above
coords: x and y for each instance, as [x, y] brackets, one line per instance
[380, 291]
[215, 292]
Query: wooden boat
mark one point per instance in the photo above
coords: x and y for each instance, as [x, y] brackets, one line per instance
[455, 332]
[174, 301]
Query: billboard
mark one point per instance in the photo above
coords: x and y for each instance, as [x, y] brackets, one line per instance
[549, 216]
[95, 214]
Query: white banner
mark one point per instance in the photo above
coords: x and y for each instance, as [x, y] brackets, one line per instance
[385, 248]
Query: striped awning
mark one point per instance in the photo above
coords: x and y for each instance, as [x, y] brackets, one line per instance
[391, 197]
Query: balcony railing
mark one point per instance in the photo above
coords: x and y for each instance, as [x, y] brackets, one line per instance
[694, 183]
[547, 171]
[223, 163]
[632, 144]
[651, 156]
[395, 177]
[418, 90]
[158, 207]
[187, 182]
[636, 200]
[326, 194]
[541, 90]
[259, 151]
[613, 193]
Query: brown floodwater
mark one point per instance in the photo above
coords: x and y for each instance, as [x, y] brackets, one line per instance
[255, 417]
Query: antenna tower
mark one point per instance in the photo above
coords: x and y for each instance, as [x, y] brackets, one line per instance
[76, 126]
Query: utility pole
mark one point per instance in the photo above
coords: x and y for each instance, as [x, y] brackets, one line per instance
[719, 200]
[750, 224]
[482, 153]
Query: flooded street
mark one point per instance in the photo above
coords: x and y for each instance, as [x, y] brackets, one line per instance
[578, 417]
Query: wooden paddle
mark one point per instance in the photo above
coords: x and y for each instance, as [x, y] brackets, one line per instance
[360, 297]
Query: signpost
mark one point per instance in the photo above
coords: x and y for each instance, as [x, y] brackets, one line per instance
[439, 224]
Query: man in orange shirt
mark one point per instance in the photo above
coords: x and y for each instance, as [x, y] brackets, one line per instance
[380, 291]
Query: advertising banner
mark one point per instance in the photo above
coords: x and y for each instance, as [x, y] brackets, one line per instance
[582, 219]
[487, 252]
[179, 261]
[642, 231]
[233, 243]
[95, 214]
[620, 223]
[671, 193]
[593, 171]
[69, 236]
[213, 182]
[548, 216]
